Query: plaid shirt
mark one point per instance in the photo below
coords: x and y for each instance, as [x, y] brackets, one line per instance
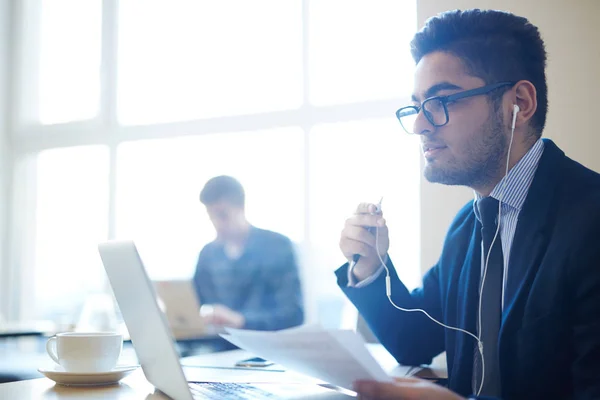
[262, 284]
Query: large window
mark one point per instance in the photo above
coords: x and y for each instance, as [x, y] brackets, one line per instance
[358, 50]
[189, 59]
[68, 217]
[124, 109]
[69, 60]
[159, 181]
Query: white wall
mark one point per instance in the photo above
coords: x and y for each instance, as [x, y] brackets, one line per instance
[4, 152]
[572, 34]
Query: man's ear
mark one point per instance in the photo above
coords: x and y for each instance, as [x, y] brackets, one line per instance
[525, 97]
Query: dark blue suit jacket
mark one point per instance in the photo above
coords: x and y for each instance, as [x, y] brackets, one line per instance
[549, 343]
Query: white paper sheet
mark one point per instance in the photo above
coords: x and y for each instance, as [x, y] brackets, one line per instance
[338, 357]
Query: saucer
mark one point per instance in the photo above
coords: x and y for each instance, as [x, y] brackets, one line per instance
[88, 378]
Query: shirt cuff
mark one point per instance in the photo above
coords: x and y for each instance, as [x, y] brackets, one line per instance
[352, 279]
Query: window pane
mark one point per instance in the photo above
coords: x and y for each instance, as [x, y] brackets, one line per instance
[159, 183]
[359, 51]
[189, 59]
[71, 219]
[358, 162]
[69, 74]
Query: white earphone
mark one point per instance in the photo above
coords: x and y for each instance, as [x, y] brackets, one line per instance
[388, 283]
[516, 110]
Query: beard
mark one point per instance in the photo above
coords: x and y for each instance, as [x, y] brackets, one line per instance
[484, 157]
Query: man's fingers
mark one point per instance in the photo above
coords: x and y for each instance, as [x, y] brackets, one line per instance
[365, 234]
[358, 240]
[366, 220]
[404, 388]
[359, 234]
[366, 208]
[407, 379]
[384, 390]
[362, 208]
[351, 247]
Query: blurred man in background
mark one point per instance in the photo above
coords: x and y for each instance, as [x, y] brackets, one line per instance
[247, 277]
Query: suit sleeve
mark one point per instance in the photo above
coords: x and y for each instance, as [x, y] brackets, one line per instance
[585, 278]
[283, 307]
[411, 337]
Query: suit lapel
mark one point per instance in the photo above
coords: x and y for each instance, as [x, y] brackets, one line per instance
[531, 234]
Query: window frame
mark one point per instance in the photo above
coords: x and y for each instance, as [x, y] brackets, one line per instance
[28, 137]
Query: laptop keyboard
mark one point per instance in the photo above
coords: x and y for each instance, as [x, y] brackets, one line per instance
[233, 391]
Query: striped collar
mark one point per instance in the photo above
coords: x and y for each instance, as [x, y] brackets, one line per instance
[513, 188]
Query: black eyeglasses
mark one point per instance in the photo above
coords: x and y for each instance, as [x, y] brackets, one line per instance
[435, 108]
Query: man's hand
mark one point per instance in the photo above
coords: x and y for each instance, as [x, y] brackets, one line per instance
[356, 239]
[404, 388]
[220, 315]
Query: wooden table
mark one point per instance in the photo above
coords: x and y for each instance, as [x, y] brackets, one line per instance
[136, 386]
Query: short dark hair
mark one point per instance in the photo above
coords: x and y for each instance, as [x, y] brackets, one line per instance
[223, 187]
[495, 46]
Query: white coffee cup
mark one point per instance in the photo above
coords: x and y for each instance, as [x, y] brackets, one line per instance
[85, 352]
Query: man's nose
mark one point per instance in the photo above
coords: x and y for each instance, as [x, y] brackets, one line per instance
[422, 125]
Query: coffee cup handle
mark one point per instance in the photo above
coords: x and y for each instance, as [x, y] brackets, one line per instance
[51, 349]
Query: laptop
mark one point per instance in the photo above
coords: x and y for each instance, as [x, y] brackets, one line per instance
[154, 345]
[181, 307]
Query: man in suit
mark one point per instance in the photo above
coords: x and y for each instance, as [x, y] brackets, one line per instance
[247, 277]
[517, 286]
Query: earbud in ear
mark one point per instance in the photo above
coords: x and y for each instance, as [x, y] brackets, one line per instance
[516, 110]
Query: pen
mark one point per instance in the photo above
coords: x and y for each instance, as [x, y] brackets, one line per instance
[356, 257]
